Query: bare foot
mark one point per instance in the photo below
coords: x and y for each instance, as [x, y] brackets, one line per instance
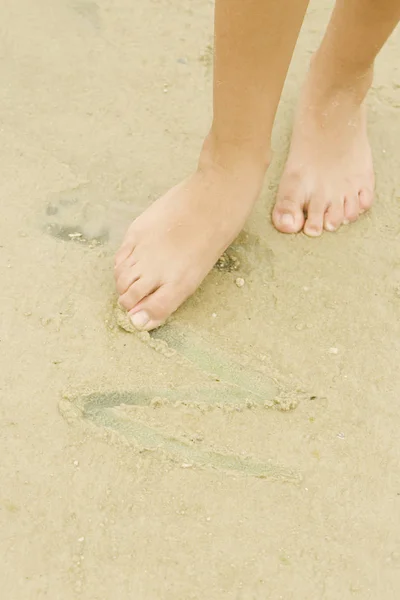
[328, 178]
[170, 248]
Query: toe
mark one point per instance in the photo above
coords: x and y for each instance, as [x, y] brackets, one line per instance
[126, 265]
[288, 216]
[351, 208]
[334, 215]
[126, 277]
[155, 309]
[315, 217]
[123, 254]
[365, 199]
[141, 288]
[125, 250]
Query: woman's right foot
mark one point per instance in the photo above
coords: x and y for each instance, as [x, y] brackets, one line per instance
[170, 248]
[328, 178]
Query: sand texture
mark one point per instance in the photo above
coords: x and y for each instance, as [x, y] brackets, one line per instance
[249, 449]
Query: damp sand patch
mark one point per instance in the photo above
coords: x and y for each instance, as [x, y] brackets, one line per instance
[106, 411]
[251, 377]
[230, 384]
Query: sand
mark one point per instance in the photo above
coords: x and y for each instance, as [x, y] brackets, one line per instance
[248, 451]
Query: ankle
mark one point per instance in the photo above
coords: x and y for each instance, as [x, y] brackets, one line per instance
[335, 74]
[235, 154]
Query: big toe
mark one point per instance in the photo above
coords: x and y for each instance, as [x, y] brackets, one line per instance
[155, 309]
[288, 216]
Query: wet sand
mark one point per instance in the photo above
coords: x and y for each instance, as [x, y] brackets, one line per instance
[250, 449]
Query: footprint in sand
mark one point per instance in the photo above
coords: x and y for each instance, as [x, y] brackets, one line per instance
[83, 215]
[228, 383]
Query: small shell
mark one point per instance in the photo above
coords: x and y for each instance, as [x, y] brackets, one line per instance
[239, 282]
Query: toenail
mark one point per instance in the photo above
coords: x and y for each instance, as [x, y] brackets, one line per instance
[287, 220]
[330, 227]
[346, 221]
[312, 231]
[140, 319]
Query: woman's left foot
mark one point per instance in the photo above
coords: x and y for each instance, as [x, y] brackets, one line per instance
[328, 178]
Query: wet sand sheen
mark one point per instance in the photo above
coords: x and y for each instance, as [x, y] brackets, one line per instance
[228, 384]
[100, 409]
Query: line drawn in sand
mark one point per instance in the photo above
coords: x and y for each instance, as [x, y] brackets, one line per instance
[72, 216]
[229, 385]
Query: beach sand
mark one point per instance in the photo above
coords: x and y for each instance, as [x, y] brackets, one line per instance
[249, 450]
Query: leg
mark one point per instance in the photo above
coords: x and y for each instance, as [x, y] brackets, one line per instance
[172, 246]
[329, 174]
